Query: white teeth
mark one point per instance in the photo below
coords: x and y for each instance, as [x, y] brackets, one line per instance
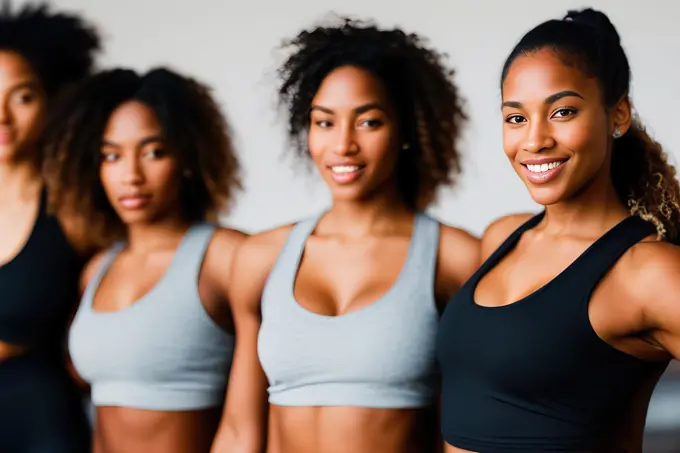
[345, 168]
[544, 167]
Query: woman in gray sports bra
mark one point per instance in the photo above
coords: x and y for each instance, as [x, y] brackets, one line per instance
[336, 315]
[150, 161]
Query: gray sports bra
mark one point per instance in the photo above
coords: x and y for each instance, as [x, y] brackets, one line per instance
[382, 356]
[164, 352]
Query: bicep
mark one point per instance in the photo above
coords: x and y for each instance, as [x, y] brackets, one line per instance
[243, 424]
[458, 260]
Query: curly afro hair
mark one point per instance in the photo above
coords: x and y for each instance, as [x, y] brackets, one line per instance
[194, 128]
[418, 83]
[60, 47]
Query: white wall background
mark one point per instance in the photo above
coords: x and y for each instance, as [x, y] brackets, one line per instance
[231, 45]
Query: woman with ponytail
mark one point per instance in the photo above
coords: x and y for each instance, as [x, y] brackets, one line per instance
[556, 342]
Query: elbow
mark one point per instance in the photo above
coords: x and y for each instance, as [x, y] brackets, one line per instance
[232, 438]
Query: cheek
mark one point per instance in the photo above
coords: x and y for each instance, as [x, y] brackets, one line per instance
[29, 119]
[163, 175]
[585, 139]
[108, 177]
[512, 138]
[380, 148]
[316, 142]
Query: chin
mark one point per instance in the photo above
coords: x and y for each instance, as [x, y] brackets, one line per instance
[7, 153]
[547, 197]
[135, 218]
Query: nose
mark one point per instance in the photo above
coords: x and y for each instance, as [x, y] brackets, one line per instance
[133, 173]
[345, 143]
[539, 137]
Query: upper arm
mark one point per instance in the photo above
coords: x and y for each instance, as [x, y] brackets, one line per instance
[215, 272]
[243, 426]
[458, 259]
[656, 287]
[498, 231]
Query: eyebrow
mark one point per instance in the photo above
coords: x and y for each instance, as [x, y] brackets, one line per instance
[358, 110]
[549, 100]
[25, 84]
[145, 141]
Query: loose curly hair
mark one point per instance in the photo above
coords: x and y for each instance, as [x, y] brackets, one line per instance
[417, 81]
[60, 47]
[194, 129]
[641, 174]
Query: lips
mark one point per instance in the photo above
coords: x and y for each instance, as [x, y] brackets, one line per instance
[137, 201]
[346, 172]
[541, 171]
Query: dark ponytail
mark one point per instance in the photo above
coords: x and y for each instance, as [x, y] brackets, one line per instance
[641, 174]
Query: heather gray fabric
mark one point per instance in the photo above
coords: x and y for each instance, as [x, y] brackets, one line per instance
[163, 352]
[381, 356]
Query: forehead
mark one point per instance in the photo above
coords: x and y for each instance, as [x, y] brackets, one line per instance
[537, 75]
[348, 87]
[132, 118]
[14, 69]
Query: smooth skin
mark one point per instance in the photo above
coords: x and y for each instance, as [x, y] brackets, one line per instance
[553, 110]
[351, 260]
[136, 164]
[22, 112]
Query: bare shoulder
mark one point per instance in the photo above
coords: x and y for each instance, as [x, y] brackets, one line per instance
[457, 260]
[224, 243]
[650, 271]
[499, 230]
[253, 260]
[263, 247]
[221, 250]
[91, 269]
[459, 252]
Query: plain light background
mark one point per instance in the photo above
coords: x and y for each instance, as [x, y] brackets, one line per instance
[232, 46]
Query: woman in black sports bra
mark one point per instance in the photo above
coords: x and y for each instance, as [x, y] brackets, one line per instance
[41, 52]
[556, 342]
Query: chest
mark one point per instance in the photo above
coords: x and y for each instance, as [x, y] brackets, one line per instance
[16, 225]
[363, 346]
[130, 279]
[531, 265]
[337, 278]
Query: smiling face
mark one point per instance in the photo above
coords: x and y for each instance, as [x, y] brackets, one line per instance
[22, 105]
[556, 131]
[353, 137]
[139, 176]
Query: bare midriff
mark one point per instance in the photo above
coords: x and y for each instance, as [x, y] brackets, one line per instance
[125, 430]
[351, 430]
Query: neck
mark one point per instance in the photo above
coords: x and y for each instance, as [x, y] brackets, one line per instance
[592, 212]
[362, 218]
[151, 237]
[19, 180]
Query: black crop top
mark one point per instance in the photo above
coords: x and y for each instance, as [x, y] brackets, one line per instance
[533, 376]
[39, 286]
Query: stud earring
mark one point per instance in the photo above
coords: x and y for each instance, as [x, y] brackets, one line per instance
[617, 133]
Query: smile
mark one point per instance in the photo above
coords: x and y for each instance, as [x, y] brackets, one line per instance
[543, 172]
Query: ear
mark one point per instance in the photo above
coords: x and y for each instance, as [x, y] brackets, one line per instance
[620, 116]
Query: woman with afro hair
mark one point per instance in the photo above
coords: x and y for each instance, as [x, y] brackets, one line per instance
[41, 253]
[336, 315]
[148, 162]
